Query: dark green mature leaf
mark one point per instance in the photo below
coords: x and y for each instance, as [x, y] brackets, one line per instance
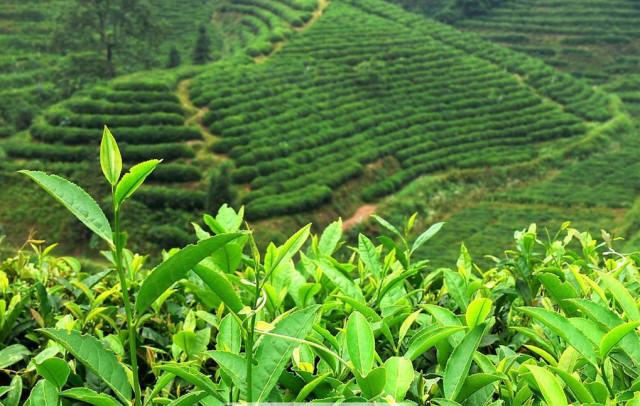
[12, 354]
[613, 337]
[369, 256]
[110, 158]
[559, 292]
[132, 180]
[234, 366]
[15, 391]
[189, 399]
[44, 393]
[311, 386]
[457, 369]
[176, 267]
[360, 343]
[273, 353]
[93, 355]
[76, 200]
[563, 328]
[474, 383]
[548, 385]
[344, 284]
[54, 370]
[194, 377]
[426, 236]
[90, 396]
[218, 283]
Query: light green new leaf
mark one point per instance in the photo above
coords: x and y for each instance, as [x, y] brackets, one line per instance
[274, 352]
[194, 377]
[373, 384]
[360, 343]
[431, 336]
[110, 158]
[457, 368]
[44, 393]
[132, 180]
[176, 267]
[76, 200]
[426, 236]
[613, 337]
[54, 370]
[474, 383]
[399, 377]
[579, 391]
[343, 283]
[369, 256]
[622, 296]
[477, 311]
[192, 343]
[218, 283]
[563, 328]
[90, 396]
[12, 354]
[548, 385]
[229, 337]
[93, 355]
[330, 238]
[287, 250]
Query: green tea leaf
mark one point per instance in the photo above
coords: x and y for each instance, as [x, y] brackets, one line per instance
[14, 392]
[176, 267]
[44, 393]
[288, 249]
[563, 328]
[12, 354]
[369, 256]
[110, 159]
[273, 353]
[426, 236]
[548, 385]
[579, 391]
[234, 366]
[311, 386]
[457, 368]
[189, 399]
[622, 296]
[192, 343]
[218, 283]
[477, 311]
[132, 180]
[229, 337]
[76, 200]
[55, 370]
[194, 377]
[360, 343]
[344, 284]
[427, 339]
[373, 384]
[400, 374]
[90, 396]
[474, 383]
[330, 238]
[93, 355]
[613, 337]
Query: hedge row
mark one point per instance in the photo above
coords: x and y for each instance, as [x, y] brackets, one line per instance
[159, 197]
[65, 118]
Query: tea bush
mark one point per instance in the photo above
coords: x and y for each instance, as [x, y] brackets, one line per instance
[314, 319]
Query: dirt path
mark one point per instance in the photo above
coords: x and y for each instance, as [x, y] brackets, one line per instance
[361, 215]
[322, 6]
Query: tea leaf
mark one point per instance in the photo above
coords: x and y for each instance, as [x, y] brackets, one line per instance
[12, 354]
[194, 377]
[622, 296]
[176, 267]
[548, 385]
[76, 200]
[233, 365]
[189, 399]
[399, 377]
[55, 370]
[14, 392]
[431, 336]
[44, 393]
[311, 386]
[90, 352]
[477, 311]
[579, 391]
[474, 383]
[273, 353]
[90, 396]
[360, 343]
[426, 236]
[373, 384]
[132, 180]
[218, 283]
[110, 159]
[330, 238]
[563, 328]
[369, 255]
[613, 337]
[457, 369]
[229, 337]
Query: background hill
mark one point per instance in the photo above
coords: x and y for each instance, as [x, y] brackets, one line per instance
[310, 110]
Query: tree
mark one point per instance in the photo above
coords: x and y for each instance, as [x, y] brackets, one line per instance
[202, 50]
[174, 58]
[118, 29]
[220, 191]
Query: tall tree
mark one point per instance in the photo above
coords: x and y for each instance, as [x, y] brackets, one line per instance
[220, 191]
[118, 29]
[202, 50]
[174, 58]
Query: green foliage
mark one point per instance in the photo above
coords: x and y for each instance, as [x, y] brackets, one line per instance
[202, 48]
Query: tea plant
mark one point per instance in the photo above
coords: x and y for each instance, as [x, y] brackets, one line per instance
[552, 322]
